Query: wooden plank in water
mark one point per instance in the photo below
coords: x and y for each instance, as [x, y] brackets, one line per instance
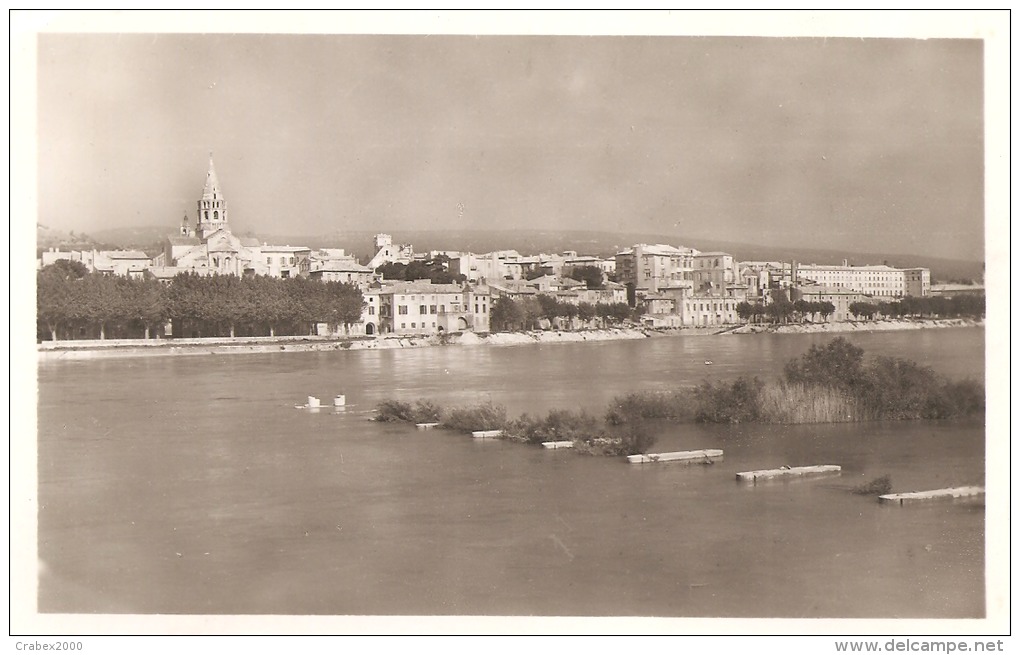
[557, 444]
[686, 456]
[796, 471]
[487, 434]
[935, 494]
[426, 426]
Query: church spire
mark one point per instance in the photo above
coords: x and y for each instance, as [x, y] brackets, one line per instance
[212, 185]
[212, 208]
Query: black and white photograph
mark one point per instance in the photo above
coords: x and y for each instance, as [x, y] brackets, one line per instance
[472, 323]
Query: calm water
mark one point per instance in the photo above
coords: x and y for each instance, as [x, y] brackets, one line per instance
[192, 485]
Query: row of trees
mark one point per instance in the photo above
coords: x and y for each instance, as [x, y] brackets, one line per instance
[782, 310]
[931, 306]
[72, 303]
[514, 314]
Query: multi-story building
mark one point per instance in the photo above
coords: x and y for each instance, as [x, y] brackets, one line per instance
[610, 293]
[880, 281]
[423, 308]
[714, 272]
[283, 261]
[344, 270]
[649, 268]
[917, 282]
[491, 267]
[709, 309]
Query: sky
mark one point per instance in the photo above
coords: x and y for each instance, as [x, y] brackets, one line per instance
[856, 144]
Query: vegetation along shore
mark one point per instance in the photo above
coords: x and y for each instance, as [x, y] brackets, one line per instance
[833, 383]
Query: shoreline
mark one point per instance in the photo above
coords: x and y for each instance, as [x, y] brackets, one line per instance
[85, 350]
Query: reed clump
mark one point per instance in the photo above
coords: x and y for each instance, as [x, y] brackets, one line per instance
[485, 416]
[422, 411]
[557, 425]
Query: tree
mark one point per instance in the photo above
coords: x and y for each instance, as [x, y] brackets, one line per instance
[744, 310]
[592, 276]
[780, 309]
[147, 303]
[804, 307]
[392, 271]
[55, 293]
[863, 309]
[505, 315]
[585, 311]
[839, 363]
[100, 302]
[344, 304]
[826, 309]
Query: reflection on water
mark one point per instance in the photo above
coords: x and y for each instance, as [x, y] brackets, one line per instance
[192, 485]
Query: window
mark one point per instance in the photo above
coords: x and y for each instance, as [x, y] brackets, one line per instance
[422, 309]
[442, 309]
[403, 325]
[371, 310]
[402, 309]
[216, 216]
[269, 261]
[432, 309]
[414, 325]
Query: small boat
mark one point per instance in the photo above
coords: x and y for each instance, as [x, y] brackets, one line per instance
[708, 362]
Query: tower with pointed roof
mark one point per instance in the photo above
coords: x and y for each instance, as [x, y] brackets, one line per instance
[212, 208]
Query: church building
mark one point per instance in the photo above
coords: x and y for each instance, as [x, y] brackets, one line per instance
[210, 248]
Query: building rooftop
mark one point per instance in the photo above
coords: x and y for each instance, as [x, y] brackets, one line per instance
[418, 286]
[124, 254]
[659, 249]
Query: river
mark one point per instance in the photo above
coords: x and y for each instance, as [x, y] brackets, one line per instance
[192, 485]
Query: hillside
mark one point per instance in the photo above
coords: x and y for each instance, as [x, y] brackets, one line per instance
[47, 237]
[604, 244]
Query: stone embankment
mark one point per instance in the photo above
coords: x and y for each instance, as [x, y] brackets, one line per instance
[65, 350]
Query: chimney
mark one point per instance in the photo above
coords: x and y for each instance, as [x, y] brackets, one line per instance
[846, 263]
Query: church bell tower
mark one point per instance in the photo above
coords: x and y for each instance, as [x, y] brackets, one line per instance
[212, 208]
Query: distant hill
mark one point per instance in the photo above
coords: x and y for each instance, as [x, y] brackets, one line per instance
[605, 244]
[47, 237]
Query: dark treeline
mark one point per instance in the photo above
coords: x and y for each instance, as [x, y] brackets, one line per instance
[526, 313]
[74, 304]
[962, 306]
[781, 310]
[435, 270]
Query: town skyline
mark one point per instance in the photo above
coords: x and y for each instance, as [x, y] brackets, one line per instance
[702, 138]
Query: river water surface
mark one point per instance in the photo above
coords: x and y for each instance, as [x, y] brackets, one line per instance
[192, 485]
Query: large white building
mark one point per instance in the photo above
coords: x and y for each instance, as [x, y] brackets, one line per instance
[423, 308]
[495, 266]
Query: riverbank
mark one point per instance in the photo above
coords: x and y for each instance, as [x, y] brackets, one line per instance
[877, 325]
[95, 349]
